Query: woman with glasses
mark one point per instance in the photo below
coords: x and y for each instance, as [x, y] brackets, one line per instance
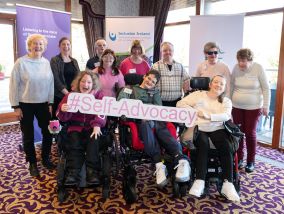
[250, 97]
[212, 66]
[111, 79]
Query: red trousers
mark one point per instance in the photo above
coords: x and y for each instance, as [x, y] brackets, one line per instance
[248, 120]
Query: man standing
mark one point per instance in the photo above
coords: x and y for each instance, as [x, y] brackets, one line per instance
[174, 78]
[94, 62]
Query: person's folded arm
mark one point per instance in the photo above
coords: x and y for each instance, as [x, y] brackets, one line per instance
[225, 113]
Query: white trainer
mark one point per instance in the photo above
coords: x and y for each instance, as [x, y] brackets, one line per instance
[183, 171]
[161, 174]
[228, 190]
[197, 188]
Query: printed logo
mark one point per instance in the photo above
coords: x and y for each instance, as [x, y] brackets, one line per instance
[112, 36]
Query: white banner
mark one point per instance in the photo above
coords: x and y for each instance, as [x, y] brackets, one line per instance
[226, 30]
[121, 31]
[86, 103]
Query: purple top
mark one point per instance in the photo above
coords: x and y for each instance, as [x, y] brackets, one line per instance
[88, 121]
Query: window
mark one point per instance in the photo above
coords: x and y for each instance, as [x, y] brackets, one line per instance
[181, 53]
[240, 6]
[6, 65]
[79, 45]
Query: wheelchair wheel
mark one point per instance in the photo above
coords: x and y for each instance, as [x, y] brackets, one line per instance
[61, 170]
[176, 190]
[183, 189]
[129, 185]
[106, 176]
[62, 194]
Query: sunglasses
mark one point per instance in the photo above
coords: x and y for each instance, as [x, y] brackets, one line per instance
[212, 52]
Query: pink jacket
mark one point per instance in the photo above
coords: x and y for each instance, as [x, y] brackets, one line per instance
[80, 121]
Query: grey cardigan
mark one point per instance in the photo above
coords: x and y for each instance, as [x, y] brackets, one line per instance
[57, 67]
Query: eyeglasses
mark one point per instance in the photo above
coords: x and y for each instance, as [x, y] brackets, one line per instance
[212, 52]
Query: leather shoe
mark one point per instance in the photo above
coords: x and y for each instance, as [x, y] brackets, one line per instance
[250, 167]
[241, 164]
[34, 170]
[48, 164]
[92, 177]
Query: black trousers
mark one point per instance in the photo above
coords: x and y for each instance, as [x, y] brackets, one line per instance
[221, 141]
[81, 148]
[41, 112]
[161, 138]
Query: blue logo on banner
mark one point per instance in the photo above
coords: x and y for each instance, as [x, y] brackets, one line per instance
[112, 36]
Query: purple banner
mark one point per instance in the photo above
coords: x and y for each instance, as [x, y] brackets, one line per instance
[53, 24]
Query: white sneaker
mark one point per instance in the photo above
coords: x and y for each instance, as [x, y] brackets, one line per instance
[161, 174]
[228, 190]
[183, 171]
[197, 188]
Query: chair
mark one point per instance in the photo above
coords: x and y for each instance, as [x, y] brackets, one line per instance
[214, 172]
[271, 108]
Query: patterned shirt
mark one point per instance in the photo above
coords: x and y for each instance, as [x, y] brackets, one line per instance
[172, 81]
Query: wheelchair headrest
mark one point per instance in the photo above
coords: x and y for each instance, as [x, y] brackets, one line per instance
[200, 83]
[133, 79]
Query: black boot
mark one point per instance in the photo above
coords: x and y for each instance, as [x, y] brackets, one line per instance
[48, 164]
[72, 177]
[34, 170]
[250, 167]
[92, 177]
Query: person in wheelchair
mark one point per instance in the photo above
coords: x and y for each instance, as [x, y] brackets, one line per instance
[213, 108]
[80, 127]
[149, 94]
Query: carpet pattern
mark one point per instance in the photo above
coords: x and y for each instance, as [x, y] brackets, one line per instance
[261, 191]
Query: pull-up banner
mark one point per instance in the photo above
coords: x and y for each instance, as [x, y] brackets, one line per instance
[121, 31]
[50, 23]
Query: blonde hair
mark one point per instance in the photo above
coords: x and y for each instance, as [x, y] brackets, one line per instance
[95, 78]
[137, 44]
[33, 37]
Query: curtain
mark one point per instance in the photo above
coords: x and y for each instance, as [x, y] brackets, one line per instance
[93, 18]
[159, 9]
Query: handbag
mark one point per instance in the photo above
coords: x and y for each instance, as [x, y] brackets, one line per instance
[234, 132]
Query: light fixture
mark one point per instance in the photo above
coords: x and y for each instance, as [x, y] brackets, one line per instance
[10, 4]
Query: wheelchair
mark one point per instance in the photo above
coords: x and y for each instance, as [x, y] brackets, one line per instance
[130, 151]
[105, 162]
[214, 171]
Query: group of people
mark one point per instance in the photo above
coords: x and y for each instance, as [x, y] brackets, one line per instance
[40, 89]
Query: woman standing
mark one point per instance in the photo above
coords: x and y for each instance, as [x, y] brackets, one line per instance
[110, 77]
[251, 98]
[65, 69]
[31, 94]
[135, 62]
[212, 66]
[212, 110]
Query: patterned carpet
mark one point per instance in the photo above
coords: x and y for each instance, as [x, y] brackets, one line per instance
[261, 191]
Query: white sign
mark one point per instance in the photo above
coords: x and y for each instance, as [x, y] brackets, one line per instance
[226, 30]
[86, 103]
[121, 31]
